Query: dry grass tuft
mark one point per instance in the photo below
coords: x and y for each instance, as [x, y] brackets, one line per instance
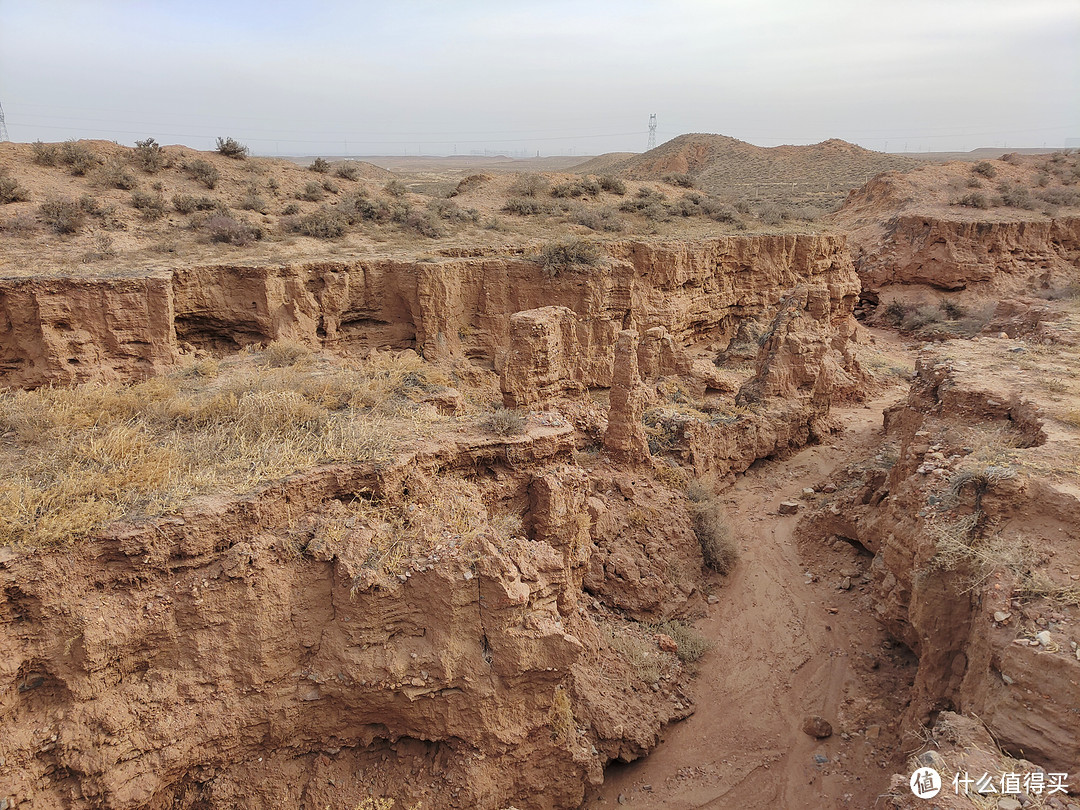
[718, 544]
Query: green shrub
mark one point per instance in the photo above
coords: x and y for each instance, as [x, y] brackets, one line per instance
[232, 148]
[320, 165]
[149, 156]
[62, 214]
[504, 422]
[205, 172]
[565, 255]
[714, 534]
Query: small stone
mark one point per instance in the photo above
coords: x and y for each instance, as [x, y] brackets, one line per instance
[873, 732]
[808, 492]
[845, 584]
[817, 726]
[788, 508]
[1000, 616]
[621, 799]
[829, 489]
[713, 599]
[666, 643]
[1044, 638]
[933, 759]
[1005, 803]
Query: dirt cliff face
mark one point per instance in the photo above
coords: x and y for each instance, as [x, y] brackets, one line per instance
[971, 515]
[951, 254]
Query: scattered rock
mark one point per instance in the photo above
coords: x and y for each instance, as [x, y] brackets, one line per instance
[713, 599]
[1000, 616]
[666, 643]
[808, 493]
[845, 584]
[788, 507]
[829, 489]
[873, 732]
[1005, 803]
[817, 726]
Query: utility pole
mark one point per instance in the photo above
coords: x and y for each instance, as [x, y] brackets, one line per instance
[3, 125]
[652, 131]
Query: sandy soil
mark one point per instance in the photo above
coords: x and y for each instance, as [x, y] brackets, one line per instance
[787, 643]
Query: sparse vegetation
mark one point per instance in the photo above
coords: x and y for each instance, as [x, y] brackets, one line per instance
[149, 156]
[313, 192]
[78, 158]
[116, 175]
[281, 353]
[320, 165]
[504, 422]
[232, 148]
[205, 172]
[985, 168]
[974, 200]
[224, 229]
[612, 185]
[569, 254]
[186, 203]
[151, 206]
[692, 645]
[718, 545]
[322, 223]
[62, 215]
[395, 188]
[348, 171]
[680, 179]
[45, 154]
[10, 190]
[526, 185]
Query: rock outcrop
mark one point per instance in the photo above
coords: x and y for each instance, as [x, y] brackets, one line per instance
[625, 435]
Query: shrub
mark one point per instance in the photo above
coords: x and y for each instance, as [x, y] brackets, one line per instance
[149, 156]
[612, 184]
[448, 209]
[320, 165]
[11, 191]
[313, 192]
[329, 185]
[1059, 196]
[281, 353]
[78, 158]
[323, 223]
[115, 175]
[395, 188]
[186, 203]
[45, 154]
[681, 179]
[424, 224]
[1015, 196]
[221, 228]
[579, 188]
[602, 219]
[151, 206]
[718, 545]
[570, 253]
[527, 206]
[504, 422]
[290, 210]
[985, 168]
[692, 645]
[525, 185]
[205, 172]
[62, 214]
[348, 171]
[232, 148]
[974, 200]
[251, 201]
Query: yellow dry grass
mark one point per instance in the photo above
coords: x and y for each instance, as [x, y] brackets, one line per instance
[78, 458]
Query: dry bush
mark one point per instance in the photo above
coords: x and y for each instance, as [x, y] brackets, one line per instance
[45, 154]
[692, 645]
[527, 206]
[323, 223]
[348, 171]
[395, 188]
[116, 175]
[232, 148]
[449, 210]
[643, 656]
[612, 185]
[424, 224]
[504, 422]
[681, 179]
[61, 214]
[1015, 196]
[602, 219]
[79, 159]
[313, 192]
[985, 168]
[585, 187]
[205, 172]
[974, 200]
[281, 353]
[186, 203]
[151, 206]
[149, 156]
[251, 201]
[224, 229]
[320, 165]
[524, 185]
[568, 254]
[714, 534]
[11, 191]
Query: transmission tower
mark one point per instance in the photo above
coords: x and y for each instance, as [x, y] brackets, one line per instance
[652, 131]
[3, 126]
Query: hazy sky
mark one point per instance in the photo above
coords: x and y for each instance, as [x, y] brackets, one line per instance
[575, 77]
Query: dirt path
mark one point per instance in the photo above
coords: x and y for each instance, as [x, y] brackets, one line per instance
[785, 645]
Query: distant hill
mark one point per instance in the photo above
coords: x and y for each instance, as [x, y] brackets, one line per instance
[821, 174]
